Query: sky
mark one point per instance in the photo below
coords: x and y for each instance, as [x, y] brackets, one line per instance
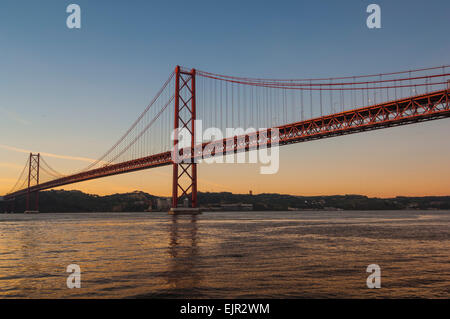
[73, 92]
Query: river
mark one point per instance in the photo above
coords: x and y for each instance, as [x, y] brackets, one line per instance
[313, 254]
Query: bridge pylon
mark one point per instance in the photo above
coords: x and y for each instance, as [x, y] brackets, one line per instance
[33, 177]
[184, 172]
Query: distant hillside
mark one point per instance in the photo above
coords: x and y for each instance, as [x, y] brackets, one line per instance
[76, 201]
[345, 202]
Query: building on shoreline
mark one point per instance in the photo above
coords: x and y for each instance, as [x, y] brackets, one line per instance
[229, 207]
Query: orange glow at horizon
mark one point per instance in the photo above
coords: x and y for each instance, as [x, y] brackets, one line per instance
[402, 161]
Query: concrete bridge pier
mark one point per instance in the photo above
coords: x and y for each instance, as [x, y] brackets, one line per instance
[184, 211]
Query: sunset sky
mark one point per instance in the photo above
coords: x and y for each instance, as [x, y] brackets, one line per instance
[70, 94]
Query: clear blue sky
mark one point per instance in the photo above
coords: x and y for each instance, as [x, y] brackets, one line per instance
[71, 91]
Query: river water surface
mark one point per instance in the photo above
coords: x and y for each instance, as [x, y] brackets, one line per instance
[318, 254]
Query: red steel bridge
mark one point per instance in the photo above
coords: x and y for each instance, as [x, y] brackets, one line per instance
[298, 110]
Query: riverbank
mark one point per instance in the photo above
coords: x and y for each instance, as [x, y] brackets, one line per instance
[76, 201]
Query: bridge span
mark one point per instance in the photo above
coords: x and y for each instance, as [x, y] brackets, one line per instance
[285, 111]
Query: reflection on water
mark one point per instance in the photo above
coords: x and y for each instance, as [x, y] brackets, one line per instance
[226, 254]
[183, 251]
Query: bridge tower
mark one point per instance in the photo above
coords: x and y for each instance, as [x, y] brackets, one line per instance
[184, 172]
[33, 177]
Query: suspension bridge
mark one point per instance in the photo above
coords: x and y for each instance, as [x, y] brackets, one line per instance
[283, 111]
